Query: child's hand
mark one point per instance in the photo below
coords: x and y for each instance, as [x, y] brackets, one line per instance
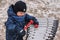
[22, 32]
[36, 25]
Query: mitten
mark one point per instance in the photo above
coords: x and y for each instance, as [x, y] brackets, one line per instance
[36, 25]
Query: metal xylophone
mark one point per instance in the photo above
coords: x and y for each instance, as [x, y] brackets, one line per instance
[46, 30]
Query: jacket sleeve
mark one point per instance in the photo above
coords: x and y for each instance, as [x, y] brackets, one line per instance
[12, 27]
[9, 25]
[32, 18]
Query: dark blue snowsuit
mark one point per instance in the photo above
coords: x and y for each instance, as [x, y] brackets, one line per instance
[15, 23]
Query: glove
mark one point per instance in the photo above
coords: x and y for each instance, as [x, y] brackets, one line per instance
[36, 25]
[22, 32]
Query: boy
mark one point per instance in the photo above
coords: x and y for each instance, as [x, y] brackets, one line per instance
[17, 19]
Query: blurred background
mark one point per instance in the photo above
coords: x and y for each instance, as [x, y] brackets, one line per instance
[37, 8]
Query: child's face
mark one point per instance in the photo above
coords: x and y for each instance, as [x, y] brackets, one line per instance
[20, 13]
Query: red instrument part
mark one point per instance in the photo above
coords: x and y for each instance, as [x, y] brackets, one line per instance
[26, 27]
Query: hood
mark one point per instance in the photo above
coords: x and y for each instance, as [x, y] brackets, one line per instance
[12, 14]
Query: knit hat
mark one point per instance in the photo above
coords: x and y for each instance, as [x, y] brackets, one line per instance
[20, 6]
